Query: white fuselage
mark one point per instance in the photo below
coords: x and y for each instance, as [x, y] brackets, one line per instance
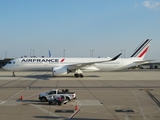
[46, 64]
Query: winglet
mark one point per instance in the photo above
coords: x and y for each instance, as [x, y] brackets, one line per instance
[115, 57]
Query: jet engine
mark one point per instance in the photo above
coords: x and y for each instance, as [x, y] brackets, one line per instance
[59, 71]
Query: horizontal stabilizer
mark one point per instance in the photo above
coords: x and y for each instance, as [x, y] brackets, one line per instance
[143, 61]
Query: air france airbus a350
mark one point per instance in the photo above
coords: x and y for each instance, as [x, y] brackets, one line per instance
[63, 66]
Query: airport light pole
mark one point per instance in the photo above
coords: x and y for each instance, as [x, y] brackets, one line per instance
[64, 53]
[5, 54]
[122, 53]
[92, 52]
[30, 52]
[33, 53]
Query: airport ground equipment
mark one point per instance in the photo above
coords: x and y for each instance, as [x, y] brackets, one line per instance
[55, 100]
[44, 97]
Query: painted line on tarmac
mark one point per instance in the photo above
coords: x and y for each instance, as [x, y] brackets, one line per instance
[73, 114]
[11, 97]
[153, 98]
[142, 113]
[31, 95]
[48, 112]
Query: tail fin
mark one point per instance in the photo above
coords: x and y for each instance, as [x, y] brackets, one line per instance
[49, 52]
[141, 50]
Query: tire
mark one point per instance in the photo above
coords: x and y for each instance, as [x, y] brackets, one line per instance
[76, 75]
[44, 99]
[81, 75]
[59, 102]
[50, 103]
[68, 98]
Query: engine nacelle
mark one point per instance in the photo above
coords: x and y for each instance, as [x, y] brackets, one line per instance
[59, 71]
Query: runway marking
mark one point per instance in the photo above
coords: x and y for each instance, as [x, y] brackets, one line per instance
[48, 112]
[153, 98]
[9, 82]
[73, 114]
[89, 102]
[126, 117]
[11, 97]
[144, 117]
[31, 95]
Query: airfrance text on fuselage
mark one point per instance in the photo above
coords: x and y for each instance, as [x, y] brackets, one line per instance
[40, 60]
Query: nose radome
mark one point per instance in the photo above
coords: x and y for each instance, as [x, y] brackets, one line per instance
[4, 67]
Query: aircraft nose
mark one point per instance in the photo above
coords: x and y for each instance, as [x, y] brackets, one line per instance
[4, 67]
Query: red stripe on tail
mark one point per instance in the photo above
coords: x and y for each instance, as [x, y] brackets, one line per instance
[143, 52]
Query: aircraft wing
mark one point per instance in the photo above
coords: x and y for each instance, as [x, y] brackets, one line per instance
[80, 65]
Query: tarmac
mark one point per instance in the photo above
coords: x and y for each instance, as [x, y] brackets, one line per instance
[121, 95]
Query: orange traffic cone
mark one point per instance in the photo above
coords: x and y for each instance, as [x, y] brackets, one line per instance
[21, 97]
[76, 107]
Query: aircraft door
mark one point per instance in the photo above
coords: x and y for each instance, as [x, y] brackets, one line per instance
[17, 63]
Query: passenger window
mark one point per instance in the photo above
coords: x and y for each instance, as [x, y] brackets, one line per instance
[52, 92]
[9, 62]
[14, 62]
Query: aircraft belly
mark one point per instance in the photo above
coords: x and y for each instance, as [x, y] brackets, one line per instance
[107, 67]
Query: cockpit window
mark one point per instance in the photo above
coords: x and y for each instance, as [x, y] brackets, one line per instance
[9, 62]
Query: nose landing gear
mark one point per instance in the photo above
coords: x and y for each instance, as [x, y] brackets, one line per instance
[13, 75]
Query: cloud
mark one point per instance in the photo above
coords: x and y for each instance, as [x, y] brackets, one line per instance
[152, 5]
[135, 5]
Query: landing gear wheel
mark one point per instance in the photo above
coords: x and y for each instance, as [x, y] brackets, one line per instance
[81, 75]
[76, 75]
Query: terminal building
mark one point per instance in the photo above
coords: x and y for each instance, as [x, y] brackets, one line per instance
[155, 65]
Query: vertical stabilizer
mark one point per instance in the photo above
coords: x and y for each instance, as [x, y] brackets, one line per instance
[49, 52]
[141, 50]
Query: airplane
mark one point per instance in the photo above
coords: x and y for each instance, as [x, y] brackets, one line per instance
[56, 65]
[63, 66]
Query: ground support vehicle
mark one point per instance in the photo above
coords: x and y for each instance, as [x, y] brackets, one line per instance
[44, 97]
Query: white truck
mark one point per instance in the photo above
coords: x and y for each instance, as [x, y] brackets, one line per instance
[44, 97]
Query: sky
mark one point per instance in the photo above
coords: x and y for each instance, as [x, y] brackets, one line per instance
[106, 27]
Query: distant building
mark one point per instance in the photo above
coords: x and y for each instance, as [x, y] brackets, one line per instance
[155, 65]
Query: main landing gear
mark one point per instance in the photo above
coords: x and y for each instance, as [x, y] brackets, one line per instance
[78, 75]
